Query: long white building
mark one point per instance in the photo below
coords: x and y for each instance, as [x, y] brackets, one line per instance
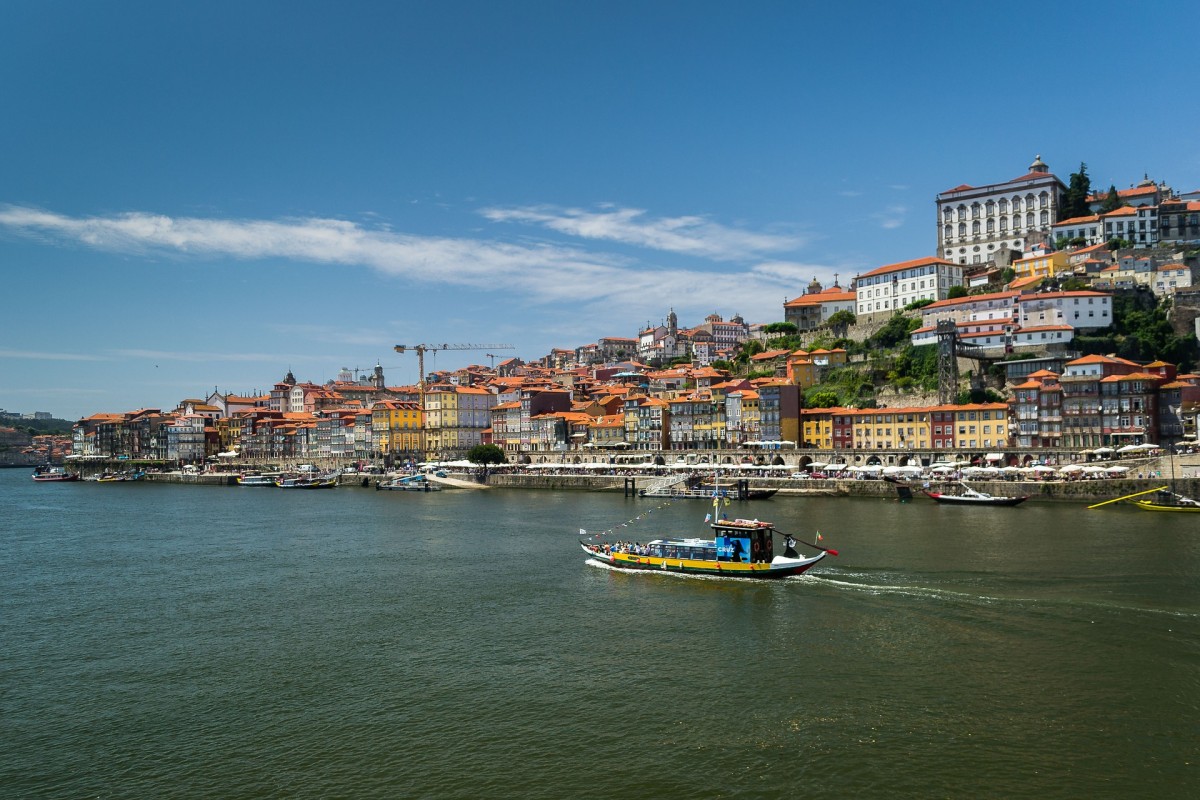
[890, 288]
[1014, 320]
[975, 223]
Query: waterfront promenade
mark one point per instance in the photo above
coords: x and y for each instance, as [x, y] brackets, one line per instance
[620, 480]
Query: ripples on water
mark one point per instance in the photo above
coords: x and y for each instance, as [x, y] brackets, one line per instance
[234, 642]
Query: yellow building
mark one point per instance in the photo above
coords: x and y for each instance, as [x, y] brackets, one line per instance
[456, 417]
[981, 426]
[816, 427]
[891, 428]
[1046, 265]
[396, 426]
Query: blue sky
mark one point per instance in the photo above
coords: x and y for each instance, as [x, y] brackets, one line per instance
[209, 194]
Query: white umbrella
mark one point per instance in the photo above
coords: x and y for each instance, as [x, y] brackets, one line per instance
[1102, 451]
[1040, 468]
[1071, 468]
[1129, 448]
[1117, 469]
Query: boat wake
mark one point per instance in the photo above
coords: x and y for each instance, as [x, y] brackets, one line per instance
[951, 595]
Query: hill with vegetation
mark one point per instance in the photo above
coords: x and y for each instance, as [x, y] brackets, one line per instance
[1141, 331]
[39, 427]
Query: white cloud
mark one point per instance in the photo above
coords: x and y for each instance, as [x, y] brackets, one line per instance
[690, 235]
[540, 272]
[891, 217]
[39, 355]
[206, 358]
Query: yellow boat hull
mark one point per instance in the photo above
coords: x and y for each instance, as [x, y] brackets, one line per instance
[1150, 505]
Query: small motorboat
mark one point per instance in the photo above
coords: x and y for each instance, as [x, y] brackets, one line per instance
[971, 497]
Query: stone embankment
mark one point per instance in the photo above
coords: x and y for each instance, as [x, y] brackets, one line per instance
[1083, 491]
[1080, 491]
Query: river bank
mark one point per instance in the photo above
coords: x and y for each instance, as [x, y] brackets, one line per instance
[1072, 491]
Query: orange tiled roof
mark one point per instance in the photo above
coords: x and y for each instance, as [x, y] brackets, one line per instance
[918, 262]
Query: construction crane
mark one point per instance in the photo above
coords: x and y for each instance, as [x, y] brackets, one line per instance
[421, 350]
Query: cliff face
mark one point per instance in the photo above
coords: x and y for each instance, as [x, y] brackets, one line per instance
[1185, 311]
[13, 443]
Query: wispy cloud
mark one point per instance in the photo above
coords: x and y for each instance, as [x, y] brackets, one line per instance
[203, 357]
[689, 235]
[891, 217]
[40, 355]
[538, 271]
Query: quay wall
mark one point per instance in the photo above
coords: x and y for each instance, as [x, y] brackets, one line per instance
[1084, 492]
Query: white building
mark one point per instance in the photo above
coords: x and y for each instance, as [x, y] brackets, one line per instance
[975, 223]
[1081, 310]
[1170, 277]
[892, 287]
[1089, 229]
[1136, 225]
[1011, 320]
[813, 309]
[185, 438]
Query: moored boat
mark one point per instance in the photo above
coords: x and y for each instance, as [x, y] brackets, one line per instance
[257, 480]
[322, 482]
[971, 497]
[121, 477]
[49, 474]
[408, 483]
[1166, 500]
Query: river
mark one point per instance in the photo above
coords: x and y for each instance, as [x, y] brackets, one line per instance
[227, 642]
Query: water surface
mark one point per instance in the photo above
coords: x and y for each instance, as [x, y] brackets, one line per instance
[191, 641]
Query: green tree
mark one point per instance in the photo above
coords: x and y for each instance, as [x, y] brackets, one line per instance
[840, 321]
[821, 398]
[1007, 275]
[1112, 200]
[486, 454]
[978, 396]
[747, 349]
[956, 291]
[1075, 202]
[782, 328]
[894, 332]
